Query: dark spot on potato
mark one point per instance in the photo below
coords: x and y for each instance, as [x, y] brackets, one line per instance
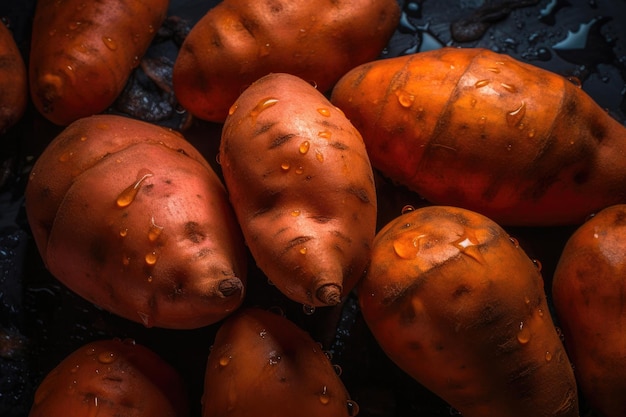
[461, 290]
[339, 145]
[98, 251]
[182, 151]
[581, 176]
[360, 193]
[321, 219]
[275, 6]
[193, 232]
[620, 218]
[230, 286]
[263, 128]
[250, 25]
[597, 130]
[281, 140]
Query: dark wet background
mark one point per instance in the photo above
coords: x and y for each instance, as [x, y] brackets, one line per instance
[41, 322]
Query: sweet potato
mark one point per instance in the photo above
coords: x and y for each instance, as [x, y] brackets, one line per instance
[588, 295]
[239, 41]
[302, 188]
[13, 81]
[475, 129]
[82, 53]
[459, 306]
[262, 364]
[131, 217]
[111, 378]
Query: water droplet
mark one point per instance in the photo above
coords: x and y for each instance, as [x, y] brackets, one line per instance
[523, 336]
[285, 166]
[151, 258]
[495, 70]
[548, 356]
[405, 99]
[481, 83]
[155, 231]
[264, 104]
[540, 313]
[233, 108]
[469, 245]
[304, 147]
[295, 213]
[66, 156]
[95, 410]
[129, 341]
[353, 408]
[407, 209]
[106, 357]
[328, 354]
[537, 264]
[509, 87]
[324, 134]
[324, 397]
[263, 333]
[109, 42]
[74, 369]
[264, 50]
[324, 111]
[299, 170]
[307, 309]
[514, 241]
[90, 351]
[338, 369]
[319, 156]
[408, 248]
[575, 80]
[303, 250]
[531, 133]
[225, 360]
[125, 260]
[482, 120]
[150, 279]
[128, 195]
[514, 117]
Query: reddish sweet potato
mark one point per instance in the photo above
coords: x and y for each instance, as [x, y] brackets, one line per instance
[130, 216]
[239, 41]
[82, 52]
[261, 364]
[112, 378]
[472, 128]
[302, 187]
[458, 305]
[13, 81]
[588, 294]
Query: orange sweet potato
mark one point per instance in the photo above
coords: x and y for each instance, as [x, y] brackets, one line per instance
[302, 187]
[13, 81]
[459, 306]
[471, 128]
[131, 217]
[262, 364]
[83, 52]
[588, 294]
[111, 378]
[239, 41]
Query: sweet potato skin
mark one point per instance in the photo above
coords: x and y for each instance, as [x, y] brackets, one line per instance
[239, 41]
[110, 378]
[460, 307]
[587, 292]
[263, 364]
[302, 187]
[13, 81]
[137, 223]
[82, 53]
[517, 143]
